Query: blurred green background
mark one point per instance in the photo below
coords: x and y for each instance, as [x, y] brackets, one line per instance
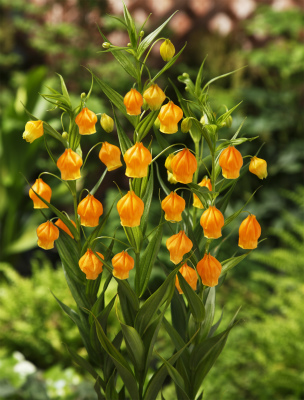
[264, 356]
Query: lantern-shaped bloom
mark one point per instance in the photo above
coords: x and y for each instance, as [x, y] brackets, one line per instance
[258, 167]
[133, 101]
[137, 159]
[206, 182]
[110, 156]
[86, 121]
[122, 264]
[90, 264]
[178, 245]
[212, 221]
[167, 50]
[47, 233]
[107, 123]
[209, 269]
[190, 276]
[169, 116]
[231, 161]
[173, 205]
[249, 233]
[89, 209]
[63, 226]
[154, 97]
[168, 162]
[183, 166]
[33, 130]
[44, 190]
[69, 164]
[130, 209]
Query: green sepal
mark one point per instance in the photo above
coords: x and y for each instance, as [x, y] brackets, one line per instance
[195, 304]
[145, 125]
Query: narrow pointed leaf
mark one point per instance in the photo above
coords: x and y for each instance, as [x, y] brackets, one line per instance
[210, 310]
[134, 345]
[169, 64]
[196, 306]
[124, 141]
[227, 265]
[145, 125]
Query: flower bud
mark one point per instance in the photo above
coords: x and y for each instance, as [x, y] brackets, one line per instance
[133, 101]
[69, 164]
[178, 245]
[47, 233]
[129, 45]
[107, 123]
[83, 95]
[231, 161]
[169, 116]
[122, 264]
[249, 233]
[171, 178]
[106, 45]
[212, 221]
[154, 96]
[183, 166]
[227, 122]
[86, 121]
[137, 159]
[110, 156]
[190, 276]
[258, 167]
[211, 129]
[90, 264]
[89, 210]
[173, 205]
[44, 190]
[186, 125]
[209, 269]
[203, 120]
[168, 162]
[65, 135]
[196, 201]
[63, 226]
[167, 50]
[141, 33]
[130, 209]
[33, 130]
[145, 105]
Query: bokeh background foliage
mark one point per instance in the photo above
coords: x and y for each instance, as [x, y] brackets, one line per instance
[263, 356]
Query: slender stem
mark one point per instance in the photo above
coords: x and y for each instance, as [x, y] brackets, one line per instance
[195, 179]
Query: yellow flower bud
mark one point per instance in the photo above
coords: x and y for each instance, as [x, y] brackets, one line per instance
[107, 123]
[167, 50]
[168, 162]
[33, 130]
[258, 167]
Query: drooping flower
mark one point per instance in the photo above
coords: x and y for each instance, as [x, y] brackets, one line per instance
[212, 221]
[133, 101]
[178, 245]
[130, 209]
[86, 121]
[190, 276]
[107, 123]
[154, 97]
[206, 182]
[258, 167]
[110, 156]
[209, 269]
[137, 159]
[44, 190]
[122, 264]
[183, 166]
[231, 161]
[33, 130]
[169, 116]
[167, 50]
[89, 210]
[249, 233]
[90, 264]
[63, 226]
[69, 164]
[173, 205]
[47, 233]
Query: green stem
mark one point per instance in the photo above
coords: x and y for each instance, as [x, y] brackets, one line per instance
[195, 179]
[137, 288]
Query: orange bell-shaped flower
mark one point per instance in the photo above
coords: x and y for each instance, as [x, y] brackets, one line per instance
[173, 205]
[90, 264]
[231, 161]
[122, 264]
[86, 121]
[44, 190]
[130, 209]
[190, 276]
[89, 209]
[69, 164]
[258, 167]
[47, 233]
[169, 116]
[133, 101]
[206, 182]
[63, 226]
[110, 156]
[33, 130]
[212, 221]
[209, 269]
[154, 97]
[178, 245]
[183, 166]
[137, 159]
[249, 233]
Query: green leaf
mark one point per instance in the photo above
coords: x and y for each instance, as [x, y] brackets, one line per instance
[232, 262]
[134, 346]
[147, 199]
[210, 310]
[226, 115]
[65, 90]
[128, 301]
[149, 338]
[219, 77]
[124, 141]
[169, 64]
[179, 314]
[234, 142]
[110, 389]
[163, 143]
[130, 26]
[202, 193]
[161, 182]
[224, 201]
[199, 79]
[69, 253]
[144, 127]
[196, 306]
